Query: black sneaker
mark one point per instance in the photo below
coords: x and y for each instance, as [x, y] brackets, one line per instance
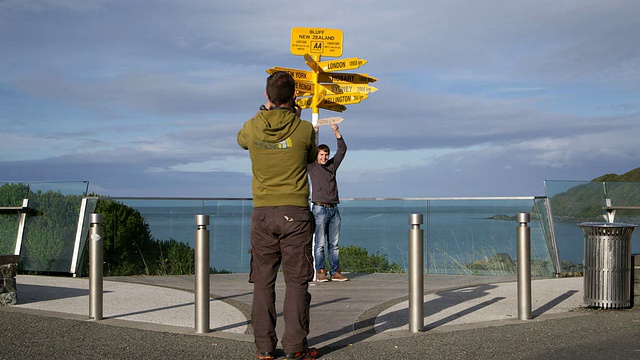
[308, 354]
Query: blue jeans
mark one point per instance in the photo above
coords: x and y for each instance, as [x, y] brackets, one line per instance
[327, 231]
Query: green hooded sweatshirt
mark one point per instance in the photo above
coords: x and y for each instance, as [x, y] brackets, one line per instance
[280, 145]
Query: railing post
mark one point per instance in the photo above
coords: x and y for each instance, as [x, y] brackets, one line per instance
[96, 244]
[202, 275]
[524, 267]
[416, 274]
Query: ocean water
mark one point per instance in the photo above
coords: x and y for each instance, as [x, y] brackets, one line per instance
[454, 235]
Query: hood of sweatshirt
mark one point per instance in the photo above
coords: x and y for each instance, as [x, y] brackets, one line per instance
[274, 126]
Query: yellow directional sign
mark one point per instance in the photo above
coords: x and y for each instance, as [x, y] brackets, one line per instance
[304, 103]
[345, 99]
[333, 65]
[332, 106]
[329, 121]
[304, 88]
[312, 63]
[297, 74]
[341, 64]
[348, 88]
[316, 41]
[318, 97]
[345, 78]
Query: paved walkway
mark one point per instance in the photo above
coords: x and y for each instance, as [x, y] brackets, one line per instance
[366, 309]
[365, 306]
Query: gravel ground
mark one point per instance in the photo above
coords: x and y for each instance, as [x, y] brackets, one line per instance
[586, 333]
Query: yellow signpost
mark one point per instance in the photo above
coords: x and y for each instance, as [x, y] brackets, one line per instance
[332, 106]
[323, 87]
[345, 78]
[341, 64]
[304, 88]
[316, 41]
[298, 75]
[348, 88]
[306, 103]
[345, 99]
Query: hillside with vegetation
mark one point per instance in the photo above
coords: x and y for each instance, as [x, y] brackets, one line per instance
[584, 202]
[630, 176]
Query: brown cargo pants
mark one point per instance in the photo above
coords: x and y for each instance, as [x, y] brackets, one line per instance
[281, 235]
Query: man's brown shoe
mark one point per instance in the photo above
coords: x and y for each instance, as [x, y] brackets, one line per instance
[309, 354]
[338, 276]
[321, 275]
[266, 356]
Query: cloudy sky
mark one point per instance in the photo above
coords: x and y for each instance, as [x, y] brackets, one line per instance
[476, 98]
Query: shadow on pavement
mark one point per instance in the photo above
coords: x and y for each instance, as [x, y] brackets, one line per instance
[28, 294]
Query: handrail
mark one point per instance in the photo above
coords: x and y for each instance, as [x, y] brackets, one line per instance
[532, 197]
[611, 210]
[19, 209]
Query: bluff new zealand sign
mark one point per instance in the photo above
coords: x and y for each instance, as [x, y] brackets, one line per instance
[326, 86]
[322, 42]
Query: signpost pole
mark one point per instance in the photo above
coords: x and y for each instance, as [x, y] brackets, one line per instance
[315, 111]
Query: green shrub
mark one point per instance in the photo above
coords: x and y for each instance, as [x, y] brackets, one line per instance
[357, 259]
[175, 258]
[129, 248]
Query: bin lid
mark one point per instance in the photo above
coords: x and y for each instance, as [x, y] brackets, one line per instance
[606, 225]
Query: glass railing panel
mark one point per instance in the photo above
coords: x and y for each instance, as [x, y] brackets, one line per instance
[8, 233]
[152, 222]
[540, 214]
[11, 195]
[574, 202]
[62, 187]
[80, 260]
[50, 232]
[461, 236]
[380, 227]
[168, 218]
[230, 234]
[554, 187]
[478, 237]
[174, 219]
[623, 194]
[626, 194]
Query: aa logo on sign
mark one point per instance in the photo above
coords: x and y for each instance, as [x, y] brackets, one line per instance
[317, 47]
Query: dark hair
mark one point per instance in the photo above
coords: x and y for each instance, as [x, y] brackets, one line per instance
[324, 147]
[280, 88]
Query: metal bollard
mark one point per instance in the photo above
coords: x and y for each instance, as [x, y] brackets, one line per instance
[202, 275]
[524, 267]
[96, 244]
[416, 274]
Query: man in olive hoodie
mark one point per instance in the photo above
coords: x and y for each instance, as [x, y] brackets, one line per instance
[280, 146]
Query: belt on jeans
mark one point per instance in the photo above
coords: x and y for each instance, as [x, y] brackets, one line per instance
[324, 204]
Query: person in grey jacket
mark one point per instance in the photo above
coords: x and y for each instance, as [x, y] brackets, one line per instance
[325, 199]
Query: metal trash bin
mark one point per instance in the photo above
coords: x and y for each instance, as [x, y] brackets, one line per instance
[607, 264]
